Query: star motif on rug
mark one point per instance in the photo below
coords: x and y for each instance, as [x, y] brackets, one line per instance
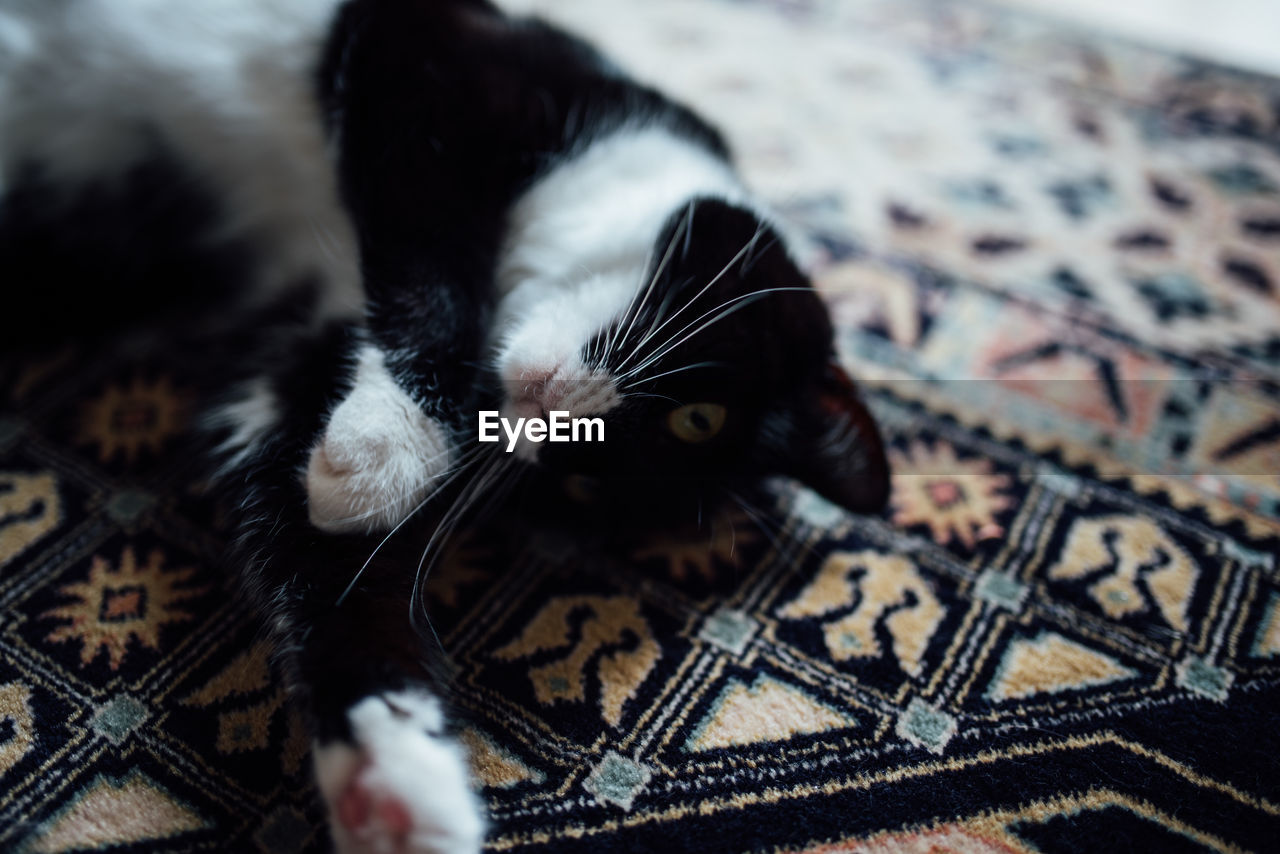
[116, 604]
[129, 419]
[956, 499]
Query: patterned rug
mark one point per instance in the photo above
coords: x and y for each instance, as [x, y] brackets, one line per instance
[1055, 261]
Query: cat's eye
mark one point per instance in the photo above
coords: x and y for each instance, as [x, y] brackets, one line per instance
[696, 422]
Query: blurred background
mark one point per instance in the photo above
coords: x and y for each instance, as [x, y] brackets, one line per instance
[1235, 32]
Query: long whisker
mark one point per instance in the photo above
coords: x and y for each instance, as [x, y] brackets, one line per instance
[659, 396]
[664, 349]
[688, 232]
[761, 522]
[684, 226]
[741, 252]
[446, 525]
[497, 470]
[507, 478]
[459, 507]
[346, 591]
[455, 513]
[753, 256]
[676, 371]
[374, 511]
[456, 472]
[734, 305]
[762, 519]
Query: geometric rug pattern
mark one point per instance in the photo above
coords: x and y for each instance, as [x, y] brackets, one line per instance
[1054, 261]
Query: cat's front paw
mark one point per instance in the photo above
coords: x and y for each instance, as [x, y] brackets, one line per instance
[403, 786]
[378, 458]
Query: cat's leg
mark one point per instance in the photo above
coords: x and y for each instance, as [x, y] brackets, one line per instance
[392, 776]
[372, 450]
[400, 430]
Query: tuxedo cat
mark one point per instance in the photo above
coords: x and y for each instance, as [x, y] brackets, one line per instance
[377, 218]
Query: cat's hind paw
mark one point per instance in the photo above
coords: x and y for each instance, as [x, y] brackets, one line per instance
[403, 786]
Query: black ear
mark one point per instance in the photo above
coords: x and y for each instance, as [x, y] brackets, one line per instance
[835, 447]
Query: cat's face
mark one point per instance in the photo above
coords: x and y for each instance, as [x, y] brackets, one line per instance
[710, 370]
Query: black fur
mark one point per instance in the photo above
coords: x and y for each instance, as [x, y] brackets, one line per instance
[442, 114]
[82, 262]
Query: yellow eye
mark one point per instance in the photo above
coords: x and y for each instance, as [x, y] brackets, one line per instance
[696, 422]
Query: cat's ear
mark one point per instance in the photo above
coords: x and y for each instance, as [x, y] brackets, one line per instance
[835, 447]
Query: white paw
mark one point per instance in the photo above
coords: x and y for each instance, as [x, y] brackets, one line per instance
[378, 458]
[404, 787]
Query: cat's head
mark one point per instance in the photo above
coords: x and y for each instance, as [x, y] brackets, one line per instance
[713, 368]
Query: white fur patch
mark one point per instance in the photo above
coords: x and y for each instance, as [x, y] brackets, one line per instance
[398, 768]
[85, 87]
[378, 458]
[579, 242]
[251, 416]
